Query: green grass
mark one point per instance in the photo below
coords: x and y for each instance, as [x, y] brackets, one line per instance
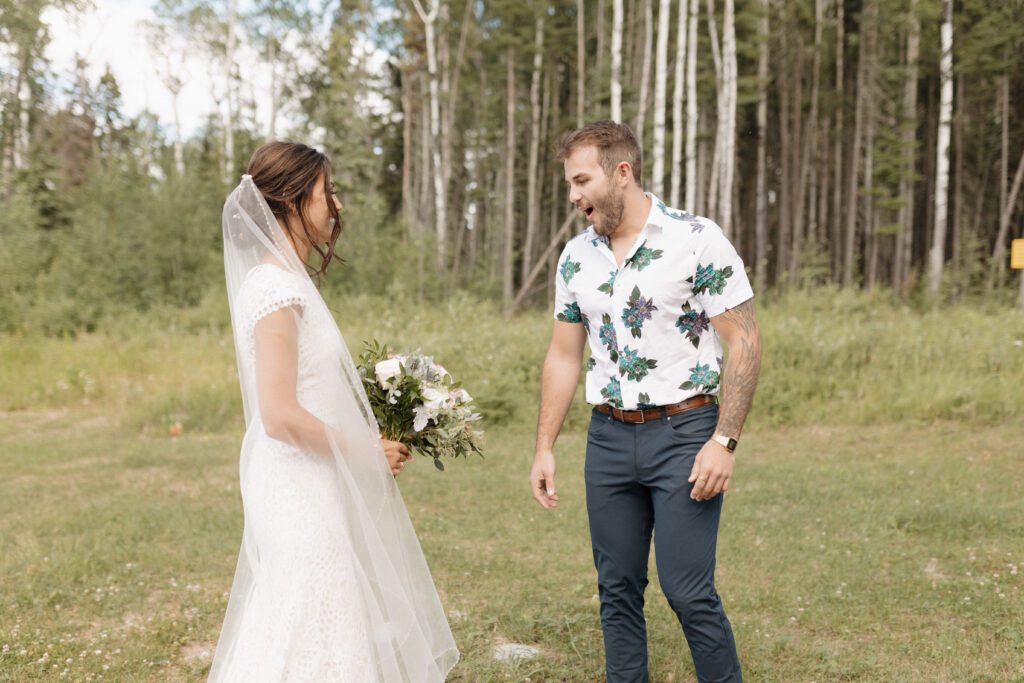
[873, 533]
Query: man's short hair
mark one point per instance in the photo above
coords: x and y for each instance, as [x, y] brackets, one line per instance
[615, 143]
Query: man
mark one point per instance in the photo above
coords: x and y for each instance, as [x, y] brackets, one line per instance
[655, 290]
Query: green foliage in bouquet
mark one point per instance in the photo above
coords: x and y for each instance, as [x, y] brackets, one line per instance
[417, 402]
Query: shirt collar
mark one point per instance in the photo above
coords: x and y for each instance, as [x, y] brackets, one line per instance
[655, 221]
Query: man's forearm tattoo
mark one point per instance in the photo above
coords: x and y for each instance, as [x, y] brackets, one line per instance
[740, 377]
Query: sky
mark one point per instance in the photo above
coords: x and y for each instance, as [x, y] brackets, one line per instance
[110, 33]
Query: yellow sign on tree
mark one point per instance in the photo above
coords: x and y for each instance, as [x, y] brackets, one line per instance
[1017, 254]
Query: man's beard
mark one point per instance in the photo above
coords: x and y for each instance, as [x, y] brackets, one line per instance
[608, 212]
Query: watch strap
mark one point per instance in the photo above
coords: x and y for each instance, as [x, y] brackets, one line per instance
[729, 443]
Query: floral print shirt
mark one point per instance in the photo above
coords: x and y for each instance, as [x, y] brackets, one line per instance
[649, 322]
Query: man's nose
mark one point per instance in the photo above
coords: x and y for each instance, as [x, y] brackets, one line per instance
[574, 196]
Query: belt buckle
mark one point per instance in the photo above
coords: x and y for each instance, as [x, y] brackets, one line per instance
[643, 417]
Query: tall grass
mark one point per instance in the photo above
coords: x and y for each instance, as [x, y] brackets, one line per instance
[831, 357]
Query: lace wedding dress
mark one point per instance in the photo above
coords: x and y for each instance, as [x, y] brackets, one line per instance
[331, 583]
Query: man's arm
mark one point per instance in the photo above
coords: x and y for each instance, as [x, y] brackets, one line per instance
[558, 385]
[737, 327]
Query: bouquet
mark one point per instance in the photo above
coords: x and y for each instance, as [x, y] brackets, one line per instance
[417, 402]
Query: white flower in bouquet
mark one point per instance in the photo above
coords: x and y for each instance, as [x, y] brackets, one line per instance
[416, 401]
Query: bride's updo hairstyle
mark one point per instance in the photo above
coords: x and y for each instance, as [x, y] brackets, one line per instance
[286, 174]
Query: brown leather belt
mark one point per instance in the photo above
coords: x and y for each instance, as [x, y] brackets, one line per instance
[641, 416]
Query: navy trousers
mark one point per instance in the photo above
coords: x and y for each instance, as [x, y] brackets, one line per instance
[636, 479]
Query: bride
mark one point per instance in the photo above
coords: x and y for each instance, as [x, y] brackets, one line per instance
[331, 583]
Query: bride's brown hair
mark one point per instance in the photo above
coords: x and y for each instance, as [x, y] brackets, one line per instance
[286, 174]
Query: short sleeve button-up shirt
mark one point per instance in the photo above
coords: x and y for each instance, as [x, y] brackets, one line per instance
[648, 322]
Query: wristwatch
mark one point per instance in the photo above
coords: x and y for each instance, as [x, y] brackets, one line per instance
[730, 444]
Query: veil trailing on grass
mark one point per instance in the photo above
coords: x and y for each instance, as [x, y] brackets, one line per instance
[407, 628]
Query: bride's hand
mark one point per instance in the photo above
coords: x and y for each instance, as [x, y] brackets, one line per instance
[397, 454]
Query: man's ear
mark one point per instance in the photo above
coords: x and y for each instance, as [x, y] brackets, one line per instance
[623, 173]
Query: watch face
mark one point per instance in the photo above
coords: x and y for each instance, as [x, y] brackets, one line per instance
[732, 444]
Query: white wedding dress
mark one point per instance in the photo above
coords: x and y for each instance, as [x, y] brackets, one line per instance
[331, 583]
[306, 621]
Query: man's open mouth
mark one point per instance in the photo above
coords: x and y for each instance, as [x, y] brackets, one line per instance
[588, 210]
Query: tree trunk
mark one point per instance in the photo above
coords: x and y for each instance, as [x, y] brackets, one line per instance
[645, 74]
[868, 14]
[716, 154]
[408, 206]
[908, 136]
[786, 190]
[691, 107]
[870, 238]
[532, 208]
[837, 154]
[581, 65]
[448, 116]
[938, 249]
[761, 210]
[510, 185]
[810, 147]
[958, 175]
[1005, 214]
[996, 269]
[617, 60]
[729, 69]
[660, 82]
[677, 105]
[429, 20]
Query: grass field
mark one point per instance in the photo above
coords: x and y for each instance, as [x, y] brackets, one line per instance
[875, 531]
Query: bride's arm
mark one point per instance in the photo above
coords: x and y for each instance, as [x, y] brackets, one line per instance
[277, 371]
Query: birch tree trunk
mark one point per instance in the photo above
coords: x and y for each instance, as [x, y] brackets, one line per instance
[761, 207]
[729, 69]
[677, 105]
[908, 134]
[691, 107]
[532, 208]
[645, 73]
[429, 19]
[508, 253]
[617, 61]
[938, 248]
[660, 78]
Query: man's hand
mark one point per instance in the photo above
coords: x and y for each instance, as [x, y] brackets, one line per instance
[712, 471]
[397, 454]
[542, 479]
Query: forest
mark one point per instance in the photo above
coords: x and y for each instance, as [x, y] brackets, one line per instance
[860, 144]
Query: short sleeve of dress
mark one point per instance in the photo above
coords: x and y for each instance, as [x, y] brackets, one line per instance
[719, 281]
[268, 289]
[567, 309]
